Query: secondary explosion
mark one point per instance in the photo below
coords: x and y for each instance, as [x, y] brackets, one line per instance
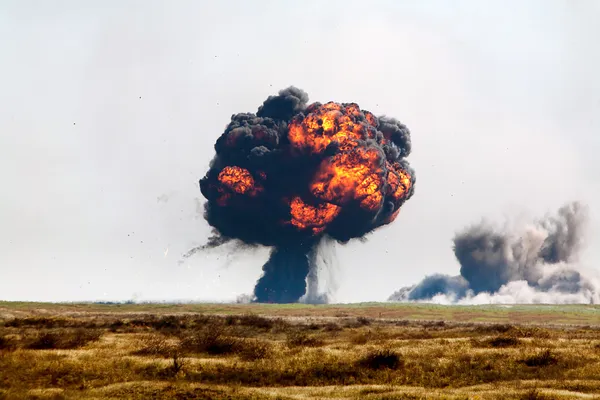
[293, 174]
[535, 263]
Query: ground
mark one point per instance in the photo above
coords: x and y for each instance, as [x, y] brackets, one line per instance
[248, 351]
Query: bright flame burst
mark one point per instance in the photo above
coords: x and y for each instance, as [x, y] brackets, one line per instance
[357, 173]
[315, 217]
[353, 175]
[237, 180]
[331, 122]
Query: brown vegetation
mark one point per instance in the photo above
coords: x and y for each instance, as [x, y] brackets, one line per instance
[248, 356]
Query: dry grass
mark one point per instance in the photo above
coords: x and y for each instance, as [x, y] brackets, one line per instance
[247, 356]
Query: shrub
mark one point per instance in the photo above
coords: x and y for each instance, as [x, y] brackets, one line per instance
[255, 321]
[332, 327]
[62, 339]
[359, 339]
[296, 339]
[170, 323]
[381, 359]
[533, 394]
[7, 343]
[502, 341]
[212, 340]
[251, 350]
[116, 325]
[156, 345]
[39, 322]
[498, 328]
[497, 341]
[177, 363]
[541, 359]
[46, 340]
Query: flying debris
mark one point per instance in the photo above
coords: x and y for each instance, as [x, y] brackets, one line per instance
[535, 263]
[293, 174]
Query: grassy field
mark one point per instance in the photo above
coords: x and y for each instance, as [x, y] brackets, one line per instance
[364, 351]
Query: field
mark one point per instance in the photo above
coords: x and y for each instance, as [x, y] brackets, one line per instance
[361, 351]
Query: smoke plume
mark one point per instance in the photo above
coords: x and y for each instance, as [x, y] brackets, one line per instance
[293, 174]
[535, 263]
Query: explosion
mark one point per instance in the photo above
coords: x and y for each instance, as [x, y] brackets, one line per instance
[533, 263]
[293, 173]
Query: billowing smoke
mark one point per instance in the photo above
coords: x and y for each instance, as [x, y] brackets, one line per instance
[534, 263]
[322, 283]
[293, 174]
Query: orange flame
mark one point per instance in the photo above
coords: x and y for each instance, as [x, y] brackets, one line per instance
[357, 173]
[331, 122]
[307, 216]
[399, 181]
[238, 180]
[352, 175]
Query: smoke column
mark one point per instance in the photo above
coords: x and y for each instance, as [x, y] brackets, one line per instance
[293, 174]
[535, 263]
[323, 264]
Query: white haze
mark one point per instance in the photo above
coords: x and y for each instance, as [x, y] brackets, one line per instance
[534, 262]
[109, 111]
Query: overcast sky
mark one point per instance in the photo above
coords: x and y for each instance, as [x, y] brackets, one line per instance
[109, 111]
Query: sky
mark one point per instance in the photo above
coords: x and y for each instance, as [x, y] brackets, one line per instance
[109, 111]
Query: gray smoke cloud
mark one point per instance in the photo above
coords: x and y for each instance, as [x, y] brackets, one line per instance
[535, 262]
[322, 281]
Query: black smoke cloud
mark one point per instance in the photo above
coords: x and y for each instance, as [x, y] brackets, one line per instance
[260, 144]
[535, 263]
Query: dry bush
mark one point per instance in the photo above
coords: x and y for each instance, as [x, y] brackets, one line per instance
[252, 325]
[414, 334]
[541, 359]
[450, 360]
[170, 323]
[357, 322]
[43, 340]
[156, 345]
[301, 339]
[359, 339]
[312, 327]
[176, 390]
[533, 394]
[332, 327]
[498, 341]
[30, 369]
[80, 337]
[166, 323]
[493, 328]
[324, 370]
[252, 350]
[61, 338]
[381, 359]
[211, 340]
[117, 325]
[534, 332]
[7, 343]
[375, 390]
[177, 364]
[433, 324]
[45, 322]
[256, 321]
